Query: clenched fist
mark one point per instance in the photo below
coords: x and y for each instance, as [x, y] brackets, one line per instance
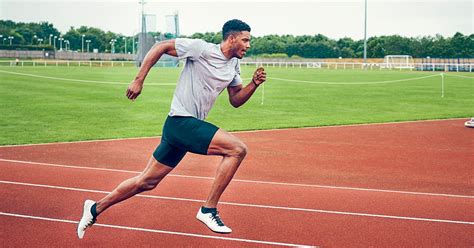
[259, 76]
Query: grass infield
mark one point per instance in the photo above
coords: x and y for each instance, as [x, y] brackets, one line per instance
[47, 109]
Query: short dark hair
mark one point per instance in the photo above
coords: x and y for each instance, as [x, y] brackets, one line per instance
[233, 26]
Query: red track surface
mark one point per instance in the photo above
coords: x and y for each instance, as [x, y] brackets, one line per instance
[280, 194]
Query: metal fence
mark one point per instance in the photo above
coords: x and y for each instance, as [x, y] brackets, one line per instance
[368, 66]
[269, 64]
[64, 55]
[78, 63]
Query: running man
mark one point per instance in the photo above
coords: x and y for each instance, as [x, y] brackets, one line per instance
[209, 69]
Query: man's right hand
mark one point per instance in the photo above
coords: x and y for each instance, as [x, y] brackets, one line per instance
[134, 89]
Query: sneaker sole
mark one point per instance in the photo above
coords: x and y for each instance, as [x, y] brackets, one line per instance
[203, 222]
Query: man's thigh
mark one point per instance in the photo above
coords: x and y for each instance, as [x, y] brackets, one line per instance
[224, 143]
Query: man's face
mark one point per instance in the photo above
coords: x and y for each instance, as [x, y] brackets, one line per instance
[240, 43]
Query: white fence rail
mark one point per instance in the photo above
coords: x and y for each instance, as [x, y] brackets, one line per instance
[76, 63]
[309, 65]
[370, 66]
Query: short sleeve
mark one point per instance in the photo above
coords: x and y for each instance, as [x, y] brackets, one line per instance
[189, 48]
[237, 79]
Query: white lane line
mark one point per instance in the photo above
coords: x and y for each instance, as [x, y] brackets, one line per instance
[247, 181]
[350, 125]
[156, 230]
[252, 205]
[459, 76]
[79, 80]
[244, 131]
[353, 83]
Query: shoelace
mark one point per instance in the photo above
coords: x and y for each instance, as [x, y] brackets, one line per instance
[90, 223]
[215, 217]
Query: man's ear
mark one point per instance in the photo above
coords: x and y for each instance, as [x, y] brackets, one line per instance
[232, 38]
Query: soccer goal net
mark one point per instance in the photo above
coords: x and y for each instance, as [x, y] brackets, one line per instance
[398, 61]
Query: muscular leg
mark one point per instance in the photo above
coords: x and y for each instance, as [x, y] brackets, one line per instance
[233, 151]
[147, 180]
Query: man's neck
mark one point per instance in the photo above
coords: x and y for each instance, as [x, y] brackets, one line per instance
[226, 49]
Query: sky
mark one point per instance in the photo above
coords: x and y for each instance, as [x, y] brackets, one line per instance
[334, 19]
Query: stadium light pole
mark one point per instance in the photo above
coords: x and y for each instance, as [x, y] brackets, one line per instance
[125, 49]
[54, 42]
[142, 2]
[88, 41]
[365, 34]
[112, 43]
[61, 43]
[142, 36]
[82, 50]
[118, 38]
[10, 38]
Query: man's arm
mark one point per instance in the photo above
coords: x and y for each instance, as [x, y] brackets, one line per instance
[155, 53]
[238, 95]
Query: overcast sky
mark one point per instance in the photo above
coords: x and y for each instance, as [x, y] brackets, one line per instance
[335, 19]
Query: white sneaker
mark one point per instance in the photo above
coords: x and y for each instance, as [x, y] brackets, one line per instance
[213, 221]
[469, 123]
[87, 219]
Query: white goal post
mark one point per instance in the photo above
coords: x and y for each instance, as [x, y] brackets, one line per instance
[398, 62]
[316, 65]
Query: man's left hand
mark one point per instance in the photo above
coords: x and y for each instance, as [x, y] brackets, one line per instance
[259, 76]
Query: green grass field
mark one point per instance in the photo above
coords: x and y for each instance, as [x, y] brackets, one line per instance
[38, 109]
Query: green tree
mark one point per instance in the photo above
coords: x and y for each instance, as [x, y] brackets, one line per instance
[306, 46]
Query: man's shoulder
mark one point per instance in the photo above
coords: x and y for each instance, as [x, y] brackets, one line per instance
[191, 48]
[193, 41]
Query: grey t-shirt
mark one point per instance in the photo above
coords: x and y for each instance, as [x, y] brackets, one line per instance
[206, 73]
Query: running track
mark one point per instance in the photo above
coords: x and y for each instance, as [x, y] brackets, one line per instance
[382, 185]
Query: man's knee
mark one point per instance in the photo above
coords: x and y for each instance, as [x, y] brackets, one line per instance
[239, 150]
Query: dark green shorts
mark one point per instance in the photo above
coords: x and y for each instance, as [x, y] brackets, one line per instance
[181, 135]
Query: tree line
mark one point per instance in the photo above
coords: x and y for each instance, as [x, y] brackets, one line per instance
[44, 35]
